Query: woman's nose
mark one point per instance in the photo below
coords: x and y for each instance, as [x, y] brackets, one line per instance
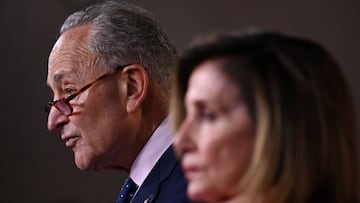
[183, 139]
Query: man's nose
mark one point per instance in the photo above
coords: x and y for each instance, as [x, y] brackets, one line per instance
[56, 119]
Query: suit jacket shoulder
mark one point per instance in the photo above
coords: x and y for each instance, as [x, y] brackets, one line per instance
[165, 183]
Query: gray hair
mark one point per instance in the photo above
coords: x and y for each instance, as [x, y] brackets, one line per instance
[124, 34]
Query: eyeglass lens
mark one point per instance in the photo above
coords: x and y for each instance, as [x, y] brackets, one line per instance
[61, 106]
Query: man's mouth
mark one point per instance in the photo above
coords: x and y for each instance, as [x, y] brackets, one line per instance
[70, 141]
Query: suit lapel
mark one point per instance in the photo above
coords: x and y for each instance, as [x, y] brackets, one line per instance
[149, 190]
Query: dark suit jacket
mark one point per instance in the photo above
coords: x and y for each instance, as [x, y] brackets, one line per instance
[165, 183]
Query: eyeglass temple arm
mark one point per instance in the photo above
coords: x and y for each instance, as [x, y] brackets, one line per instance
[90, 84]
[85, 87]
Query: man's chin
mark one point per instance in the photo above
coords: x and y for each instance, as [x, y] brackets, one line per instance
[84, 163]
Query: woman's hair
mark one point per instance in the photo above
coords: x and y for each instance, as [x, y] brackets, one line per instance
[306, 139]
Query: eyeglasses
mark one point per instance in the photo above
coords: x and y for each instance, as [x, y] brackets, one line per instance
[64, 106]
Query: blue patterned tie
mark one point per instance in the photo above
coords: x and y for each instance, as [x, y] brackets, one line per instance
[127, 191]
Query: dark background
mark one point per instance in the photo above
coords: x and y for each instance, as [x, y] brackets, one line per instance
[36, 167]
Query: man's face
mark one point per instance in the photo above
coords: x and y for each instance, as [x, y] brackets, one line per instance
[98, 129]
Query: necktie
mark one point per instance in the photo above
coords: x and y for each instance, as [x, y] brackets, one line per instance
[127, 191]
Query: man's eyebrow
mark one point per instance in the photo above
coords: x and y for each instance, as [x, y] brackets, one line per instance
[60, 75]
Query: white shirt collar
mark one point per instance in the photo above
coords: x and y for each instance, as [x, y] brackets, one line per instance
[158, 143]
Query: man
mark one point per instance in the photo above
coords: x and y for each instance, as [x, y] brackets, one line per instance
[110, 75]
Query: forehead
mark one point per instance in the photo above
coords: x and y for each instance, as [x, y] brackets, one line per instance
[208, 82]
[70, 55]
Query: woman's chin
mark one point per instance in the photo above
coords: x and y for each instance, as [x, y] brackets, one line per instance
[202, 194]
[196, 194]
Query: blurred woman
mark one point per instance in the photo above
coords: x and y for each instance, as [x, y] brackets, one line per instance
[264, 117]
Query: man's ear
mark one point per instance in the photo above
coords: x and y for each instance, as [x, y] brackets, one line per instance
[137, 83]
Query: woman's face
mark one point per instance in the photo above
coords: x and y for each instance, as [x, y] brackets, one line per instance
[216, 139]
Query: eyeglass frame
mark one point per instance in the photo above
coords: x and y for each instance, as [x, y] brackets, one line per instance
[63, 105]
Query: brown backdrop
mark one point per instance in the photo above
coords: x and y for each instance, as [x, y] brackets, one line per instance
[35, 165]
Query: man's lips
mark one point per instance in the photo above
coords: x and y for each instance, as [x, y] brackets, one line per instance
[70, 141]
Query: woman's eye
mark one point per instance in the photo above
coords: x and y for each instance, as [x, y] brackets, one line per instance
[208, 115]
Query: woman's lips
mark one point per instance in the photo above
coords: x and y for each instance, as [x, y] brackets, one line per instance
[190, 171]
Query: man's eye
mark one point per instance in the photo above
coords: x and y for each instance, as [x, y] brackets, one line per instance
[69, 90]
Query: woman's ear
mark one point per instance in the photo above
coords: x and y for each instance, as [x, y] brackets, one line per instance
[137, 83]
